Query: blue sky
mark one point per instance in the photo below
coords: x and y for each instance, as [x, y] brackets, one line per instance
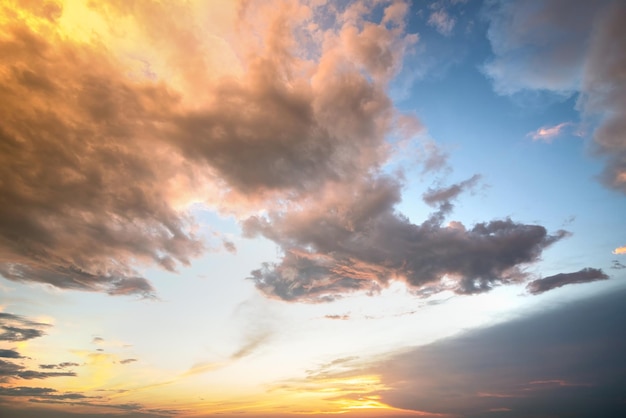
[287, 208]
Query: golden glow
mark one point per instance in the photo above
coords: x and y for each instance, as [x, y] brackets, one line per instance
[620, 250]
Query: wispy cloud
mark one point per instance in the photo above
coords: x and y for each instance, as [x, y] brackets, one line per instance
[549, 133]
[18, 328]
[9, 370]
[442, 21]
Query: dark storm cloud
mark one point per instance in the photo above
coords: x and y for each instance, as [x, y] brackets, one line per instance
[18, 328]
[566, 362]
[552, 282]
[362, 244]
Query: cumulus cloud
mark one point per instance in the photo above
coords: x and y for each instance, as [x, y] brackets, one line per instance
[359, 243]
[285, 126]
[585, 275]
[100, 165]
[567, 47]
[620, 250]
[85, 200]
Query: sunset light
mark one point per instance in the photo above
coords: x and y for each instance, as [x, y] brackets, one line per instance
[312, 208]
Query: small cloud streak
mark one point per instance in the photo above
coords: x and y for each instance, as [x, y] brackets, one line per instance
[620, 250]
[585, 275]
[548, 133]
[338, 317]
[10, 370]
[17, 328]
[58, 366]
[442, 21]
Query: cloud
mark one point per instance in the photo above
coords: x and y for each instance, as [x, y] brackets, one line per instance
[39, 395]
[27, 391]
[548, 133]
[9, 354]
[617, 265]
[296, 125]
[12, 370]
[58, 366]
[304, 107]
[603, 92]
[585, 275]
[344, 317]
[620, 250]
[85, 200]
[539, 45]
[566, 361]
[355, 241]
[567, 47]
[17, 328]
[442, 21]
[128, 361]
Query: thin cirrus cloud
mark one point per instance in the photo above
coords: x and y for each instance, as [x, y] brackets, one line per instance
[549, 133]
[442, 22]
[567, 47]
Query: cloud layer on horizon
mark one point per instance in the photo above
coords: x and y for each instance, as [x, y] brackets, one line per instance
[566, 360]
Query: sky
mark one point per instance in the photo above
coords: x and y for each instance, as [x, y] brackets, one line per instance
[288, 208]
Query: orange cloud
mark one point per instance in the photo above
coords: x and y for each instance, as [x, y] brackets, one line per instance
[548, 133]
[620, 250]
